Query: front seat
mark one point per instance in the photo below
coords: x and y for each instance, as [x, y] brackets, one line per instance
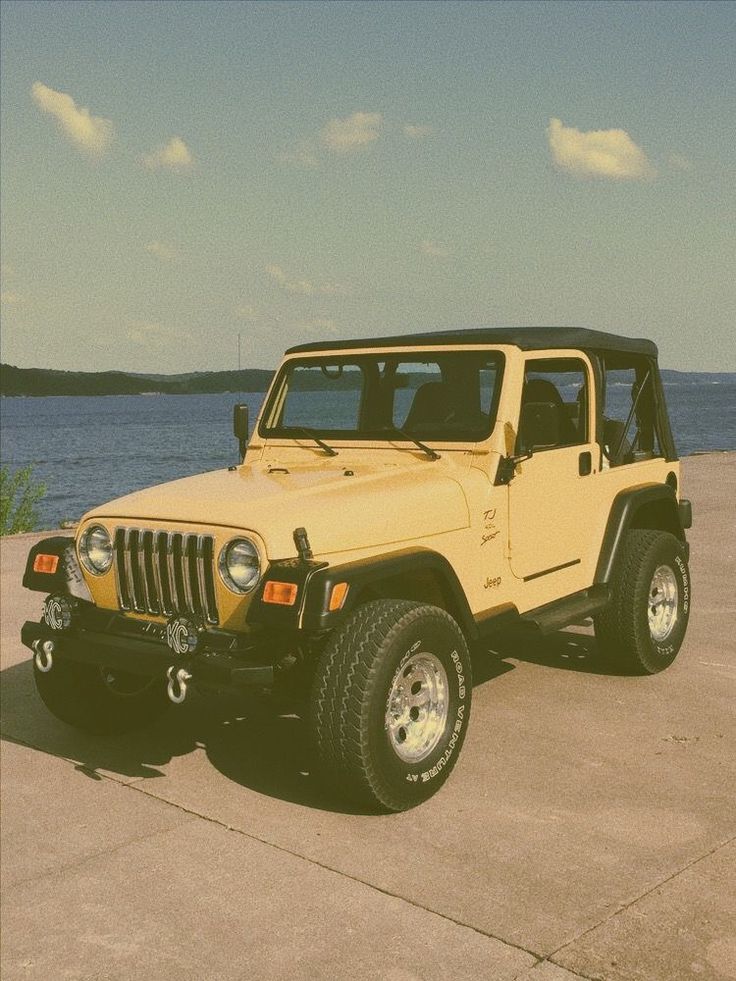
[542, 391]
[433, 405]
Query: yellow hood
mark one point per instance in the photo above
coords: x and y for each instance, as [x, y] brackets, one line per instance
[341, 513]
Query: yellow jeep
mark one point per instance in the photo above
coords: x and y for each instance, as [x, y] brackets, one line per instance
[399, 498]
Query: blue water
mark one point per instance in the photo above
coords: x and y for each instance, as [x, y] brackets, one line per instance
[88, 450]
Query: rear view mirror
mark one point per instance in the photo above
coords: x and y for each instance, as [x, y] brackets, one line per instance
[240, 426]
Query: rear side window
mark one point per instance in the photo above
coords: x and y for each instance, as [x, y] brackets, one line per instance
[628, 428]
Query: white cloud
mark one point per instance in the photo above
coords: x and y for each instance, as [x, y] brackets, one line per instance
[303, 155]
[92, 134]
[150, 333]
[437, 250]
[161, 250]
[681, 163]
[415, 131]
[598, 153]
[352, 132]
[247, 312]
[304, 287]
[174, 155]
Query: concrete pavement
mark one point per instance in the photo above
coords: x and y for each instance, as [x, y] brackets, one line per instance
[588, 830]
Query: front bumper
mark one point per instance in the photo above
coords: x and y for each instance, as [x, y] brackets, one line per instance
[254, 666]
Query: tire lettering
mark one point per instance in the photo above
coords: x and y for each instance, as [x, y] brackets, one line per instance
[442, 762]
[685, 584]
[459, 669]
[445, 758]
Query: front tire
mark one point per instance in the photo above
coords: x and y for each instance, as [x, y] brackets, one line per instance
[98, 699]
[644, 625]
[390, 703]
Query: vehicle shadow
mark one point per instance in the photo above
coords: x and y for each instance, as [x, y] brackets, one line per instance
[567, 650]
[256, 741]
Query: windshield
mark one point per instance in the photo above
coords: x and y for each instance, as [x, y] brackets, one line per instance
[443, 396]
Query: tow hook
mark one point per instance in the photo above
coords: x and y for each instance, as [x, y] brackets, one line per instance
[177, 686]
[43, 655]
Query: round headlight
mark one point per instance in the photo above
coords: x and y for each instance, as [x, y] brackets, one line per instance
[95, 550]
[240, 565]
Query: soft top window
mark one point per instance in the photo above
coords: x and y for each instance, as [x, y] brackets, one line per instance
[441, 396]
[629, 429]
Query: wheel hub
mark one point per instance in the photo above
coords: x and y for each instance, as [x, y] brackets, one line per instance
[416, 713]
[663, 596]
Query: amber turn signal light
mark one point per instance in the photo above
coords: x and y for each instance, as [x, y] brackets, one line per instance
[337, 596]
[46, 563]
[283, 593]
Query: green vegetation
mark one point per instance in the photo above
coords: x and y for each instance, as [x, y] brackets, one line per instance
[41, 381]
[19, 495]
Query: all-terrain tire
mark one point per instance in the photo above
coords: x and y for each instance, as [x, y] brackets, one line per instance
[644, 625]
[98, 700]
[390, 703]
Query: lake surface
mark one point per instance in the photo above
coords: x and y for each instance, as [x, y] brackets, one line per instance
[88, 450]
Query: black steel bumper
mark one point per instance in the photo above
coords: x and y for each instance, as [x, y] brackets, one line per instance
[252, 667]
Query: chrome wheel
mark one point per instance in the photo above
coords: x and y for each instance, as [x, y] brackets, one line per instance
[663, 596]
[416, 713]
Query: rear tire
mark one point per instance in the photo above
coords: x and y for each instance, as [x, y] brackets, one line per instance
[99, 700]
[644, 625]
[390, 703]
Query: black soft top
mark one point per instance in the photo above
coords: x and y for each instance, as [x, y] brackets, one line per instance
[526, 338]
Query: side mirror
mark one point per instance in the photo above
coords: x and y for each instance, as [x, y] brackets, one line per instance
[507, 466]
[240, 427]
[539, 427]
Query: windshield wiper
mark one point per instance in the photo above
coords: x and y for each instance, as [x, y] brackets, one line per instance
[320, 442]
[432, 454]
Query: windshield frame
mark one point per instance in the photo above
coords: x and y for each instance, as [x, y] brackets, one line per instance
[386, 435]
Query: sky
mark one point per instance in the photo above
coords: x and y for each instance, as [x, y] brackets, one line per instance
[177, 174]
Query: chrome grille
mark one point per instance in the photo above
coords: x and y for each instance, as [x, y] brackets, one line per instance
[165, 572]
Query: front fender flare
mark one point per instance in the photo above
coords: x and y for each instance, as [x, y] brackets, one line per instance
[365, 573]
[67, 578]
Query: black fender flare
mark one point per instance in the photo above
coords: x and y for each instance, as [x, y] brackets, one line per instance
[66, 578]
[622, 517]
[364, 573]
[316, 580]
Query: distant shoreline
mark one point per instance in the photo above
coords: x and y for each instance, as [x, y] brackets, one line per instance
[45, 382]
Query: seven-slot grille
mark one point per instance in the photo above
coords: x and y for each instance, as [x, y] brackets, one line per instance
[165, 572]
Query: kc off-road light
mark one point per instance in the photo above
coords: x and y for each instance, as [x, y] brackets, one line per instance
[95, 550]
[240, 565]
[184, 634]
[58, 611]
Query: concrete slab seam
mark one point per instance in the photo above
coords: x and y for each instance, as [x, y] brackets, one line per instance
[637, 899]
[527, 973]
[7, 736]
[344, 875]
[195, 815]
[63, 869]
